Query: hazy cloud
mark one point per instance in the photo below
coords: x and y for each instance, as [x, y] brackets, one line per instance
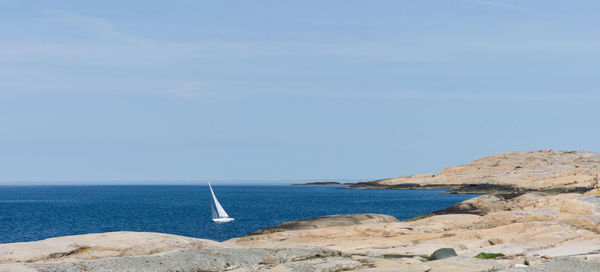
[468, 96]
[207, 91]
[118, 50]
[101, 28]
[500, 5]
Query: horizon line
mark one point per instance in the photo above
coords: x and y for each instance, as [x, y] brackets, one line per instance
[176, 182]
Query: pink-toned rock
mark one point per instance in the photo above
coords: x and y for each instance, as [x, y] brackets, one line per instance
[98, 245]
[574, 206]
[517, 226]
[329, 221]
[543, 169]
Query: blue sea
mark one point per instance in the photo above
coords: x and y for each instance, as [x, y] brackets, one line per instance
[29, 213]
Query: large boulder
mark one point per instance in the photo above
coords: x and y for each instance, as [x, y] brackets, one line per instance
[442, 253]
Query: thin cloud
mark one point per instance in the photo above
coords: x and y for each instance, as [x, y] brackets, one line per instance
[500, 5]
[468, 96]
[114, 46]
[120, 49]
[193, 90]
[98, 27]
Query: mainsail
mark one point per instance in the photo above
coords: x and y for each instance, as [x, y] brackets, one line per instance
[220, 211]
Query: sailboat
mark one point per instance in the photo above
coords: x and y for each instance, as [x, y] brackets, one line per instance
[219, 216]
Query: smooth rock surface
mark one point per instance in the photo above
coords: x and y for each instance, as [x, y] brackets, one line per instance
[539, 170]
[99, 245]
[329, 221]
[527, 225]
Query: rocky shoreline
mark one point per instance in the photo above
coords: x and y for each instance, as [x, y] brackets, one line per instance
[540, 212]
[532, 232]
[548, 171]
[468, 188]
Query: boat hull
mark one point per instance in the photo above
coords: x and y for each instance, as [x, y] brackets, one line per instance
[223, 220]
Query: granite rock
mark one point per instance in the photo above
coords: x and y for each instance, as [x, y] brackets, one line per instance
[329, 221]
[549, 170]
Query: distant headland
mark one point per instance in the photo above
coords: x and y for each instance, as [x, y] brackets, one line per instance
[321, 183]
[513, 172]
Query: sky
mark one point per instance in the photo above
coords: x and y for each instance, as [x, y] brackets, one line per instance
[139, 91]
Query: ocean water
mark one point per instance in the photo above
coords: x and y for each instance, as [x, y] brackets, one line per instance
[29, 213]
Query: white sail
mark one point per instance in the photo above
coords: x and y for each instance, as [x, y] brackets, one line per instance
[213, 211]
[220, 211]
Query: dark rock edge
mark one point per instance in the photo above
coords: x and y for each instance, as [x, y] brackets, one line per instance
[482, 188]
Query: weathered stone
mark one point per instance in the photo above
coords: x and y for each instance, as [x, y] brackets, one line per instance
[99, 245]
[560, 265]
[533, 261]
[465, 264]
[508, 173]
[329, 221]
[191, 260]
[15, 268]
[517, 260]
[324, 265]
[404, 267]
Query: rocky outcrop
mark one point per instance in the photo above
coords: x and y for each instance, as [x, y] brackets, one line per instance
[98, 245]
[513, 172]
[530, 226]
[329, 221]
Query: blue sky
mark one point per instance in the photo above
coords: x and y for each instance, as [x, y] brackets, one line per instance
[100, 91]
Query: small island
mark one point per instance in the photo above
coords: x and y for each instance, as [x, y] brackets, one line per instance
[319, 183]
